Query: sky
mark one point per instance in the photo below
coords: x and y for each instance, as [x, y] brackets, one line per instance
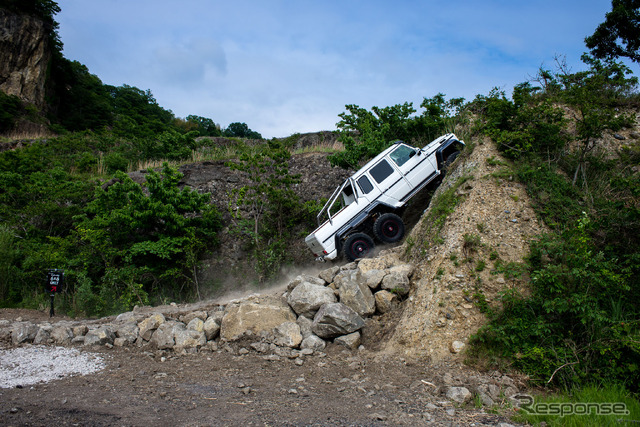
[289, 66]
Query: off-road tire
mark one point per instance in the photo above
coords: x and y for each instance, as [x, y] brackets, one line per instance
[388, 228]
[357, 245]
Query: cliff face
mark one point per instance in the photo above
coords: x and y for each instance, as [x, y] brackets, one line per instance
[24, 57]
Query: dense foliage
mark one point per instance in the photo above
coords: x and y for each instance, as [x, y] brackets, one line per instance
[366, 133]
[619, 34]
[581, 321]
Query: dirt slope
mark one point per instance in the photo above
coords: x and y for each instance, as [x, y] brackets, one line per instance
[496, 215]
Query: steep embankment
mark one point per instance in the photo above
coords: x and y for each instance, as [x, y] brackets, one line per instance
[463, 258]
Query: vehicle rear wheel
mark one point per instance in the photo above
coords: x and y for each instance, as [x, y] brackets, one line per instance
[388, 228]
[357, 245]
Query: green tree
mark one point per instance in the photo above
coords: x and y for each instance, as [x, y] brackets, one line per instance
[137, 243]
[619, 34]
[240, 130]
[270, 206]
[205, 126]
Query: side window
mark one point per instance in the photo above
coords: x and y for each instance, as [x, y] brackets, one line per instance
[381, 171]
[365, 184]
[402, 154]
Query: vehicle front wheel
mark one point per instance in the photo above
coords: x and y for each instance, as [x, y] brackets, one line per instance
[358, 245]
[388, 228]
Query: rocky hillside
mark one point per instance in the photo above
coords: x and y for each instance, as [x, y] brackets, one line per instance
[25, 53]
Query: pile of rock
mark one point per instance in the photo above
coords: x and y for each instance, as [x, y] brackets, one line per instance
[332, 306]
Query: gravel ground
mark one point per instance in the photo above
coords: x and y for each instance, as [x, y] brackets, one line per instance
[39, 364]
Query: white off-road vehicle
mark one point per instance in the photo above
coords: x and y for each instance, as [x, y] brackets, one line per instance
[368, 204]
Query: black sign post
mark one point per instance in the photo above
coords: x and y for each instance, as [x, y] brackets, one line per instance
[55, 280]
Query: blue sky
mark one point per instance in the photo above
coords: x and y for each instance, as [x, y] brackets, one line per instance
[292, 66]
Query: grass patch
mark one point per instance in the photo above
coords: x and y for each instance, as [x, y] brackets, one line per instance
[589, 406]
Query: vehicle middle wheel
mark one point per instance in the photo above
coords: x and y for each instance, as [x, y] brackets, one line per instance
[358, 245]
[388, 228]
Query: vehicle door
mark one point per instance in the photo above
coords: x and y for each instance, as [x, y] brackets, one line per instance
[413, 164]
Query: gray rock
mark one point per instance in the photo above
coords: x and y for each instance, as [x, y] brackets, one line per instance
[128, 332]
[371, 278]
[456, 347]
[211, 328]
[150, 324]
[305, 326]
[336, 319]
[126, 317]
[459, 394]
[62, 335]
[43, 336]
[100, 336]
[24, 333]
[345, 276]
[196, 324]
[287, 335]
[256, 314]
[80, 331]
[396, 282]
[307, 298]
[358, 296]
[328, 274]
[305, 278]
[385, 301]
[187, 318]
[188, 338]
[164, 337]
[351, 341]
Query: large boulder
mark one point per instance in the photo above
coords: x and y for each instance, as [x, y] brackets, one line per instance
[304, 278]
[255, 314]
[128, 332]
[313, 342]
[307, 298]
[371, 278]
[164, 336]
[211, 328]
[397, 282]
[62, 335]
[336, 319]
[100, 336]
[358, 296]
[150, 324]
[189, 338]
[287, 335]
[24, 332]
[385, 301]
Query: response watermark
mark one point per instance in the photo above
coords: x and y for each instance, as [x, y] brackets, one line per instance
[562, 409]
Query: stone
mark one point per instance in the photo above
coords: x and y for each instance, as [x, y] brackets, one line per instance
[358, 296]
[345, 276]
[217, 315]
[150, 324]
[459, 394]
[129, 332]
[351, 341]
[456, 347]
[187, 318]
[100, 336]
[256, 314]
[80, 331]
[336, 319]
[396, 282]
[24, 333]
[385, 301]
[305, 278]
[196, 324]
[189, 338]
[378, 263]
[328, 274]
[126, 317]
[62, 335]
[164, 337]
[43, 336]
[211, 328]
[287, 335]
[307, 298]
[371, 278]
[305, 326]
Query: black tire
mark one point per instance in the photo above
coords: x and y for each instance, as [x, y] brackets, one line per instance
[357, 245]
[388, 228]
[450, 159]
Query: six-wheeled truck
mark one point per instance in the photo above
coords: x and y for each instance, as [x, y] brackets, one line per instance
[366, 207]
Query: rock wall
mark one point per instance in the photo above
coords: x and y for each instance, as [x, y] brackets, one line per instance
[25, 53]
